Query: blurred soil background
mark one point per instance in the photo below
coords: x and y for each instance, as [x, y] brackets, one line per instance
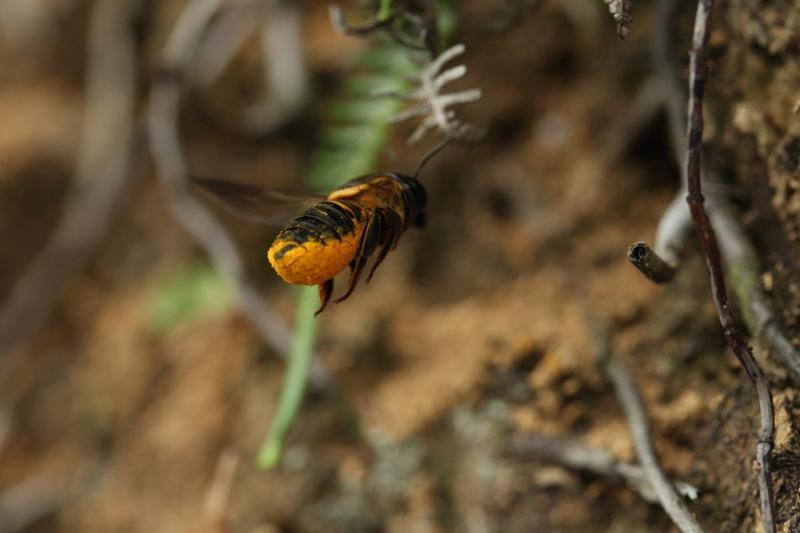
[141, 402]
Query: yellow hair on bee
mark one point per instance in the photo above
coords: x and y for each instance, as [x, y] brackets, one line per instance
[349, 191]
[311, 262]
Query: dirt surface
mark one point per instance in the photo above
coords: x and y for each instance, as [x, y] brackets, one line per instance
[481, 328]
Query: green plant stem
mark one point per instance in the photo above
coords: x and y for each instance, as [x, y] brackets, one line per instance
[294, 384]
[446, 22]
[345, 151]
[384, 9]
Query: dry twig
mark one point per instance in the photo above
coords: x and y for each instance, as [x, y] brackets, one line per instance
[386, 23]
[285, 81]
[226, 35]
[102, 171]
[433, 106]
[27, 502]
[705, 233]
[218, 492]
[191, 214]
[574, 455]
[621, 11]
[637, 422]
[648, 479]
[745, 271]
[661, 262]
[165, 145]
[28, 23]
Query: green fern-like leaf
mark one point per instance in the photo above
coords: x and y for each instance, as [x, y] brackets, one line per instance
[357, 125]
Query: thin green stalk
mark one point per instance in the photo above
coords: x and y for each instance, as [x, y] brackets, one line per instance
[294, 384]
[347, 148]
[446, 22]
[384, 9]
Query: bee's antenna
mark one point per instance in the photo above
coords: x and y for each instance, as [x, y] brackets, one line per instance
[430, 155]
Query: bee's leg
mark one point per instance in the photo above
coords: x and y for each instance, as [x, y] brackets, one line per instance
[373, 235]
[369, 241]
[356, 266]
[385, 249]
[325, 291]
[393, 226]
[396, 225]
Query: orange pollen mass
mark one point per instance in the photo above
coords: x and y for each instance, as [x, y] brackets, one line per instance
[311, 262]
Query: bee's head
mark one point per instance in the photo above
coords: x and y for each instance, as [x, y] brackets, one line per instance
[416, 198]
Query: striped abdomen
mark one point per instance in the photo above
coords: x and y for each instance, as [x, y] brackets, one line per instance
[318, 244]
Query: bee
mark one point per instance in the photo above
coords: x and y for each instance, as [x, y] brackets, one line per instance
[344, 228]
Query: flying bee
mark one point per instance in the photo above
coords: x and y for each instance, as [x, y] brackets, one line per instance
[344, 229]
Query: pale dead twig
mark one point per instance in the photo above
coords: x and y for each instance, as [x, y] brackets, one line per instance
[648, 479]
[285, 85]
[40, 495]
[219, 490]
[759, 312]
[29, 501]
[162, 121]
[102, 170]
[165, 146]
[226, 35]
[635, 414]
[432, 106]
[661, 262]
[621, 11]
[575, 455]
[28, 23]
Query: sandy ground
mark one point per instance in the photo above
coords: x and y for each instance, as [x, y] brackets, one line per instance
[481, 328]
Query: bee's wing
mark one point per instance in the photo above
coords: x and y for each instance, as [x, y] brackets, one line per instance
[258, 204]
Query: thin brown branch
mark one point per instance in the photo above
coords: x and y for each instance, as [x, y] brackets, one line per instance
[386, 25]
[664, 259]
[102, 171]
[705, 233]
[640, 430]
[650, 263]
[572, 454]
